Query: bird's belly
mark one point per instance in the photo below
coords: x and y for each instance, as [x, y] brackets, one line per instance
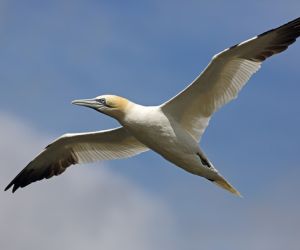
[166, 140]
[173, 144]
[163, 135]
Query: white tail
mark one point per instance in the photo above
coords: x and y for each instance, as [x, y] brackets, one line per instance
[221, 182]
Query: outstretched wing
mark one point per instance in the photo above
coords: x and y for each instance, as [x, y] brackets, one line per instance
[71, 149]
[225, 76]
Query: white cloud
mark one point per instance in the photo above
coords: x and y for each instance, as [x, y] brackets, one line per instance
[90, 206]
[87, 207]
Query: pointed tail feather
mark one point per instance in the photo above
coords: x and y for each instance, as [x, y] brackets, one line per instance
[221, 182]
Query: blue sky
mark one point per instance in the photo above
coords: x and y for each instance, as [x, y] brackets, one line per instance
[56, 51]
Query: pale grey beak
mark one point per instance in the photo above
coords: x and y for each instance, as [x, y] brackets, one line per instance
[91, 103]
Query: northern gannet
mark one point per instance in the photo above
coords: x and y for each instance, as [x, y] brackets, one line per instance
[172, 129]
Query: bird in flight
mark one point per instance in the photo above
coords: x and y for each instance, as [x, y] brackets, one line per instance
[172, 129]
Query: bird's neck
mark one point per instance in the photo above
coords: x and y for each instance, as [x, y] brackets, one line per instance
[123, 110]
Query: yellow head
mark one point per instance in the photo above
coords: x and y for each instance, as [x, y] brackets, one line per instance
[111, 105]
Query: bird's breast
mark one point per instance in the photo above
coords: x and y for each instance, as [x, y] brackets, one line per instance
[159, 132]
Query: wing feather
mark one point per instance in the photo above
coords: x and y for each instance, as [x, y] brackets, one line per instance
[225, 76]
[72, 149]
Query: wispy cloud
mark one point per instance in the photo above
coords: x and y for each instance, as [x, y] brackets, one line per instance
[87, 207]
[91, 206]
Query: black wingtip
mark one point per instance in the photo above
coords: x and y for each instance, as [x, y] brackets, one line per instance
[15, 188]
[14, 183]
[10, 185]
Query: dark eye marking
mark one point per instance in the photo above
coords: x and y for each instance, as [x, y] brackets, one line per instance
[102, 101]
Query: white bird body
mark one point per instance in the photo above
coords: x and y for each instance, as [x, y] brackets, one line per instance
[150, 126]
[173, 129]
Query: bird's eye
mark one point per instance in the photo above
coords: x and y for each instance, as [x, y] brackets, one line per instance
[102, 101]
